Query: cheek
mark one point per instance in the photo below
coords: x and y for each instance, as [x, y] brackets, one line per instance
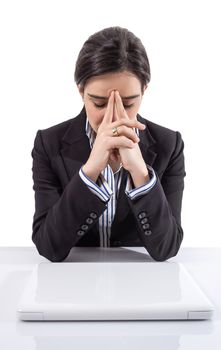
[95, 117]
[132, 113]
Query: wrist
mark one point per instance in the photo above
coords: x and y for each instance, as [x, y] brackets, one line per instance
[140, 177]
[90, 172]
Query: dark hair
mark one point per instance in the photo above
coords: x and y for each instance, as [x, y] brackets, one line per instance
[112, 49]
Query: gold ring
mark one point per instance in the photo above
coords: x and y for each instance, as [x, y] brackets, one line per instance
[115, 132]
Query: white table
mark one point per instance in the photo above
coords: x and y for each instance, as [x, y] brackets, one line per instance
[16, 265]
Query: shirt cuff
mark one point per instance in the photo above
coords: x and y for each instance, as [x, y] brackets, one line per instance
[136, 192]
[103, 190]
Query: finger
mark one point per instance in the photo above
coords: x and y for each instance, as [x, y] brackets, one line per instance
[120, 141]
[108, 116]
[123, 130]
[115, 111]
[131, 123]
[120, 107]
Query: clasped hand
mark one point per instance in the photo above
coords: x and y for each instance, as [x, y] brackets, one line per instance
[131, 158]
[106, 145]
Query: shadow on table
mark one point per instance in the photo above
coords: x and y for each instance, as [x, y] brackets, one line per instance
[97, 254]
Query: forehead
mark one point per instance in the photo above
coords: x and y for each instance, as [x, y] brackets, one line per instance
[125, 82]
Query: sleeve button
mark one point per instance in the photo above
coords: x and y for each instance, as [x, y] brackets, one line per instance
[89, 221]
[84, 227]
[142, 215]
[80, 233]
[148, 233]
[93, 215]
[143, 221]
[146, 226]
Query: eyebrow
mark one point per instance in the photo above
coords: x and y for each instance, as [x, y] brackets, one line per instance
[106, 98]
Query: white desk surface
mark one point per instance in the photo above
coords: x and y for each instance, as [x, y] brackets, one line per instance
[16, 264]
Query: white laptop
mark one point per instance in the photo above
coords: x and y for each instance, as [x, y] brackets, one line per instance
[107, 290]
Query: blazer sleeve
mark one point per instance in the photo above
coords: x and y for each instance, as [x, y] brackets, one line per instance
[58, 215]
[158, 213]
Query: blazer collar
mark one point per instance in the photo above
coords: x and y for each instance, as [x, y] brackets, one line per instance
[76, 129]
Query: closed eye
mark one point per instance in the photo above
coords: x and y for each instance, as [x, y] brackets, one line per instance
[103, 105]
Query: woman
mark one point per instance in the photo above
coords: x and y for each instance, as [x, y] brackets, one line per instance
[109, 177]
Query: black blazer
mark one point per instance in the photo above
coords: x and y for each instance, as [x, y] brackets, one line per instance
[63, 203]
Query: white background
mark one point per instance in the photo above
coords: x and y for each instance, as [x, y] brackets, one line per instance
[39, 44]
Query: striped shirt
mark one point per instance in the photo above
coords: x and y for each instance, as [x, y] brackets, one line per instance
[107, 189]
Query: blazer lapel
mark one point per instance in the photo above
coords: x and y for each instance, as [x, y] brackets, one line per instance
[146, 142]
[76, 148]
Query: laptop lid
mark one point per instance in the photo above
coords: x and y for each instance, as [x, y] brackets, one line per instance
[112, 291]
